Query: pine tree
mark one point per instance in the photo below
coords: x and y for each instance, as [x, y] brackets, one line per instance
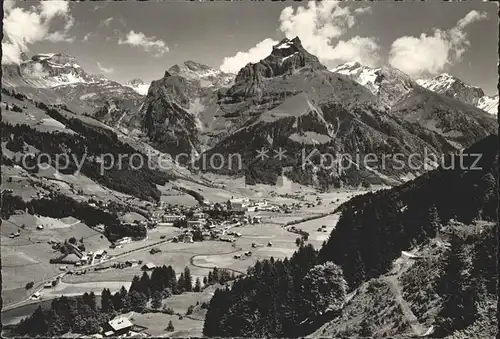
[205, 280]
[156, 300]
[459, 309]
[434, 220]
[188, 280]
[197, 286]
[170, 327]
[137, 301]
[145, 284]
[106, 301]
[136, 284]
[181, 283]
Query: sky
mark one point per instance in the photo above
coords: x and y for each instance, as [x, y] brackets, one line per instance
[130, 39]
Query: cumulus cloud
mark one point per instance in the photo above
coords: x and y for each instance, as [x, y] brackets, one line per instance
[360, 49]
[104, 69]
[260, 51]
[320, 27]
[430, 54]
[150, 44]
[23, 27]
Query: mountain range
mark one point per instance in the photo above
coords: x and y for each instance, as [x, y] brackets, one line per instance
[390, 84]
[287, 101]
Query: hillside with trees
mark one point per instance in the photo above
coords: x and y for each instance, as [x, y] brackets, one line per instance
[445, 215]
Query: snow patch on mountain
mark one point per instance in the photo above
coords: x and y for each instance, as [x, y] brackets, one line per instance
[363, 75]
[138, 85]
[206, 75]
[488, 104]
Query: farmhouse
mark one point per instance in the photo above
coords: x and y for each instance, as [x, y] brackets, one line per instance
[71, 258]
[239, 205]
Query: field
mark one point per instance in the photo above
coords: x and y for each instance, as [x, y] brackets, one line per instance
[26, 258]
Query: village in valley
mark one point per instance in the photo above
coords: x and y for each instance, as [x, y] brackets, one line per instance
[228, 231]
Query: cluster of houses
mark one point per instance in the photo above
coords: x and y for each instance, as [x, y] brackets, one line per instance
[77, 257]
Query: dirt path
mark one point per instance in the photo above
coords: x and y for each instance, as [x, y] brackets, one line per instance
[401, 265]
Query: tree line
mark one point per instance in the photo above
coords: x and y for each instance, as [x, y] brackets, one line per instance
[83, 315]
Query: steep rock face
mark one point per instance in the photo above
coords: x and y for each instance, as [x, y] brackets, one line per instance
[207, 76]
[286, 58]
[170, 113]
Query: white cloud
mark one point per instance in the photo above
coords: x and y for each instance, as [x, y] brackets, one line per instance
[59, 36]
[149, 44]
[25, 27]
[430, 54]
[86, 37]
[319, 26]
[255, 54]
[360, 49]
[362, 10]
[104, 69]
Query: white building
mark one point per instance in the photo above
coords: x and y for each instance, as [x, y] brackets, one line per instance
[171, 218]
[239, 204]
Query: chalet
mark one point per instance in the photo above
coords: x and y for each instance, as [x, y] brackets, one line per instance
[118, 326]
[148, 267]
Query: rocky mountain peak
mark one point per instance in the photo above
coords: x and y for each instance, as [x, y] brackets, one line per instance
[453, 87]
[287, 57]
[138, 86]
[135, 82]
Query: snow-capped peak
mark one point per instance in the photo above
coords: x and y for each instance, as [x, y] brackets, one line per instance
[208, 76]
[455, 88]
[389, 84]
[47, 70]
[138, 85]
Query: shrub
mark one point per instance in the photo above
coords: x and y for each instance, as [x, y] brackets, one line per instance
[30, 285]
